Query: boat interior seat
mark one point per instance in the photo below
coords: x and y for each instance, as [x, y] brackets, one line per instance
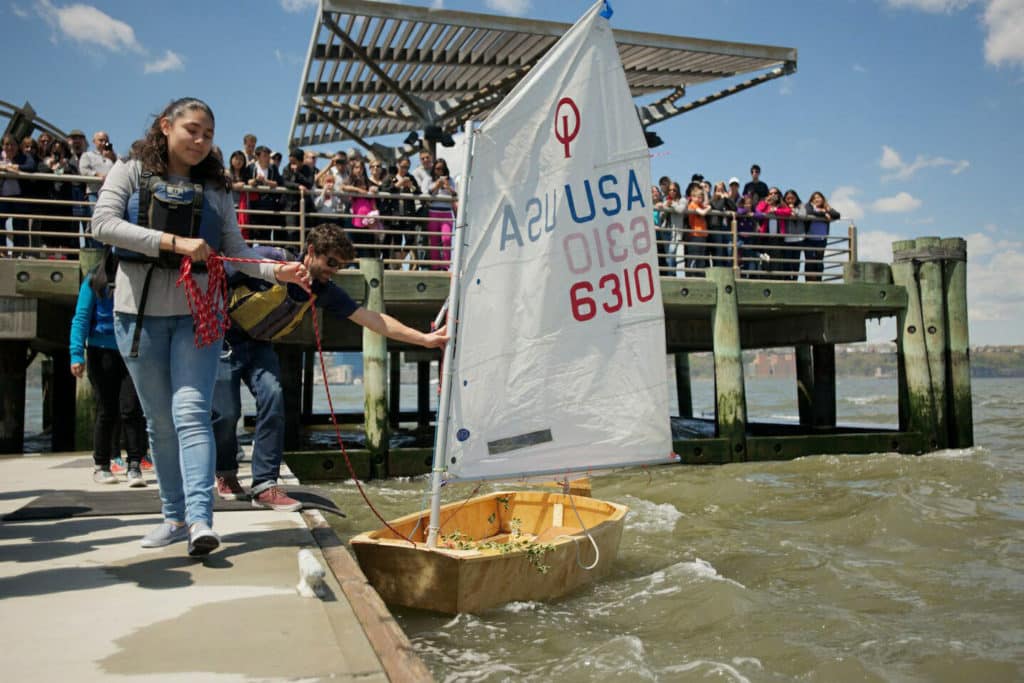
[551, 534]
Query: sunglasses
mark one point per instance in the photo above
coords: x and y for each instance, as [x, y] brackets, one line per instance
[334, 263]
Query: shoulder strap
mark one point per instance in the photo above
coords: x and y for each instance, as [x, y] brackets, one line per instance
[145, 197]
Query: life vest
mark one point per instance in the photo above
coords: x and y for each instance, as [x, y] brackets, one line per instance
[265, 313]
[178, 208]
[182, 209]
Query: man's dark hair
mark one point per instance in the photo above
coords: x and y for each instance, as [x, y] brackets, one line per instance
[755, 167]
[328, 238]
[261, 149]
[297, 154]
[664, 179]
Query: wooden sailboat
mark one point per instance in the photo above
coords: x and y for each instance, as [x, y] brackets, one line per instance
[527, 545]
[556, 358]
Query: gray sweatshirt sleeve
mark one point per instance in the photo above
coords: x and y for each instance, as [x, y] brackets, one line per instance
[108, 223]
[233, 244]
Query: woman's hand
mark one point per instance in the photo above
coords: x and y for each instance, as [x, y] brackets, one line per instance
[78, 370]
[293, 271]
[195, 248]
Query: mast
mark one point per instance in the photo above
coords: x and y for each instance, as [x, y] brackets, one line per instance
[441, 433]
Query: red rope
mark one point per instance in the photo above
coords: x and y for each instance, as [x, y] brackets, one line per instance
[210, 313]
[209, 308]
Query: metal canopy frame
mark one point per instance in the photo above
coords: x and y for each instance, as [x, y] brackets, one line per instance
[377, 69]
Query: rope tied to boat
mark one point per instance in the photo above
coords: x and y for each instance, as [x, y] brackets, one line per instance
[210, 316]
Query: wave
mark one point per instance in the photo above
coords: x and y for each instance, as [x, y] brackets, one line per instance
[648, 517]
[868, 400]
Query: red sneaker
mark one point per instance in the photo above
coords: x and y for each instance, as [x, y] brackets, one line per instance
[117, 465]
[228, 487]
[147, 463]
[274, 498]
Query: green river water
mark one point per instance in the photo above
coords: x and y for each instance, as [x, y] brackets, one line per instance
[879, 567]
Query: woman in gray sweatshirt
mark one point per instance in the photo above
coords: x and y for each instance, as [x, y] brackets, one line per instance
[153, 324]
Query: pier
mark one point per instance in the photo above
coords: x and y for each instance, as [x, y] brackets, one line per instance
[723, 310]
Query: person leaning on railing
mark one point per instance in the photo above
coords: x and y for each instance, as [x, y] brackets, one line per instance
[821, 213]
[15, 161]
[793, 232]
[720, 237]
[59, 163]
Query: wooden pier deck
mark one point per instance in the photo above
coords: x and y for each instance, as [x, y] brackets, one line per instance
[725, 312]
[81, 601]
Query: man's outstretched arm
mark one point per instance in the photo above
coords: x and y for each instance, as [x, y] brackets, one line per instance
[385, 325]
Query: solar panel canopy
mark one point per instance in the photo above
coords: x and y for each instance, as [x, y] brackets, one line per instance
[376, 69]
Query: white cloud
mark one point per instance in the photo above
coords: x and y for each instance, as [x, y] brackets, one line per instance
[516, 8]
[995, 288]
[892, 161]
[171, 61]
[1004, 43]
[860, 69]
[296, 6]
[1003, 21]
[93, 28]
[19, 11]
[842, 198]
[90, 26]
[876, 245]
[933, 6]
[899, 203]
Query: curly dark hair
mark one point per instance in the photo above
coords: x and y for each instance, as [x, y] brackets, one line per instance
[151, 150]
[328, 238]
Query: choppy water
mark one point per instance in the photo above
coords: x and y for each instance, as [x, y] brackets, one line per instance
[876, 567]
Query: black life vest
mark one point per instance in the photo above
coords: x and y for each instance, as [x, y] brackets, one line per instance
[182, 209]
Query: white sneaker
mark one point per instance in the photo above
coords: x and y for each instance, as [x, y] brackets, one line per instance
[102, 476]
[135, 479]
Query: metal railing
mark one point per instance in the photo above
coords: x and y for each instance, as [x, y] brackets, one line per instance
[415, 241]
[754, 254]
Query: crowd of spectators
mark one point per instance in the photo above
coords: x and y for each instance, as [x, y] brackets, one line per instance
[367, 198]
[774, 231]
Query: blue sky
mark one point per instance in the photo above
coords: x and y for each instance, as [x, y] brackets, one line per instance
[902, 111]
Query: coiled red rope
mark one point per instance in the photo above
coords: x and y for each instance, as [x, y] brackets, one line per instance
[210, 313]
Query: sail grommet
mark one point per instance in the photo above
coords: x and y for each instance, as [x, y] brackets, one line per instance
[462, 434]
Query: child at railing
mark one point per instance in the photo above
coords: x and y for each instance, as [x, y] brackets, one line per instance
[817, 236]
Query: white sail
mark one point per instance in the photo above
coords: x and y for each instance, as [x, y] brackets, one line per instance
[559, 364]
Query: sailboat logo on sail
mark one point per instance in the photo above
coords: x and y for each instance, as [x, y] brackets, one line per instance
[565, 136]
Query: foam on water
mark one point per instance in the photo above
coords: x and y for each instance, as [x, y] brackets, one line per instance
[648, 517]
[868, 400]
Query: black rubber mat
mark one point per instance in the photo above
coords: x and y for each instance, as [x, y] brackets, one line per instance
[126, 501]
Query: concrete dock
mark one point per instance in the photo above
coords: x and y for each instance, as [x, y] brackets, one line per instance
[81, 600]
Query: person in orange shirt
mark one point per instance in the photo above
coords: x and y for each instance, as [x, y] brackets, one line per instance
[697, 238]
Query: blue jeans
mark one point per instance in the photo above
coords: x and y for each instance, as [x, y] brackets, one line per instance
[255, 363]
[174, 381]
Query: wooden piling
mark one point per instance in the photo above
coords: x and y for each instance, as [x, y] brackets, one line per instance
[917, 403]
[730, 392]
[823, 398]
[290, 358]
[62, 400]
[423, 395]
[13, 361]
[684, 393]
[958, 361]
[933, 313]
[395, 388]
[804, 384]
[375, 361]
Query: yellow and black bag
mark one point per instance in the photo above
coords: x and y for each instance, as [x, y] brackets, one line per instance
[266, 314]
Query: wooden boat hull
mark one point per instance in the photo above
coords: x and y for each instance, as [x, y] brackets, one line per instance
[453, 580]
